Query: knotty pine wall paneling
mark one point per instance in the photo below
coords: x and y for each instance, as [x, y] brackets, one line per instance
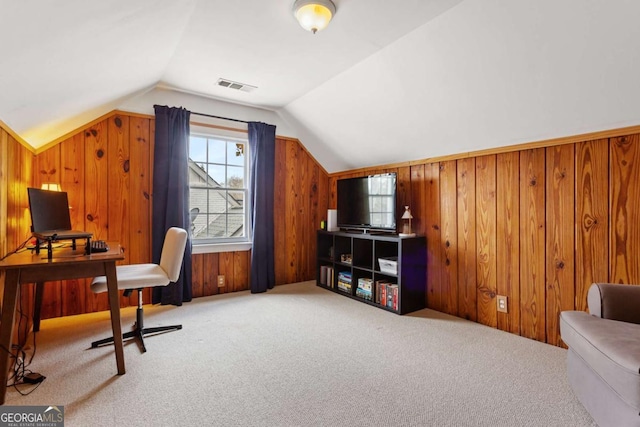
[227, 269]
[4, 193]
[466, 222]
[72, 152]
[138, 167]
[303, 217]
[507, 257]
[486, 224]
[538, 225]
[119, 210]
[47, 170]
[532, 244]
[105, 170]
[16, 175]
[299, 208]
[290, 211]
[197, 277]
[96, 202]
[432, 221]
[625, 215]
[279, 217]
[449, 229]
[560, 238]
[210, 276]
[592, 217]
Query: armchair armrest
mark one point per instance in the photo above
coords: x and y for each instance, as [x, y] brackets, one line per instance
[615, 302]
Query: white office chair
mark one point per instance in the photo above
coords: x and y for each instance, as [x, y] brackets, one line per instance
[139, 276]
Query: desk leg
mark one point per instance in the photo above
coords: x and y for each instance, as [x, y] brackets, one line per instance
[11, 284]
[38, 306]
[114, 306]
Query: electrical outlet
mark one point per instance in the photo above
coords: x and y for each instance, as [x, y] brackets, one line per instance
[221, 281]
[502, 303]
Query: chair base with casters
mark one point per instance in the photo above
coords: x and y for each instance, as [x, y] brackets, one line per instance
[139, 331]
[139, 276]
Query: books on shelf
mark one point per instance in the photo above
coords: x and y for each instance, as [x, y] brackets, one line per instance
[326, 276]
[387, 294]
[344, 281]
[364, 289]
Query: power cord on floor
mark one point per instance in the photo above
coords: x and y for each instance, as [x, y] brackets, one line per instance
[21, 375]
[24, 377]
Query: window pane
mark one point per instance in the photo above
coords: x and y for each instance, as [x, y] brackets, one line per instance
[197, 210]
[217, 225]
[235, 225]
[217, 201]
[237, 197]
[235, 153]
[197, 173]
[198, 199]
[235, 175]
[217, 151]
[217, 173]
[198, 149]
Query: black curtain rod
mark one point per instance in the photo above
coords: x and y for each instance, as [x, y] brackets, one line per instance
[220, 117]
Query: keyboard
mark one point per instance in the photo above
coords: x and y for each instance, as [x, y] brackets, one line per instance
[99, 246]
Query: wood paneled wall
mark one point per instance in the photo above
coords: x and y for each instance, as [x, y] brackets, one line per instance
[16, 174]
[537, 225]
[16, 171]
[106, 169]
[301, 202]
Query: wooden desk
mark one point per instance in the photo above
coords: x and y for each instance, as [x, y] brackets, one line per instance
[27, 267]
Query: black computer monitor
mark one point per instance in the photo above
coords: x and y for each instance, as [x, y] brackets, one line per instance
[49, 210]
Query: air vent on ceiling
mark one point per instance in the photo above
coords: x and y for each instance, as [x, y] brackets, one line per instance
[236, 85]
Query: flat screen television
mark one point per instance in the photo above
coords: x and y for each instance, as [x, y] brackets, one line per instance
[367, 203]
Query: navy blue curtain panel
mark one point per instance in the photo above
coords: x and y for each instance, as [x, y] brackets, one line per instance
[262, 154]
[171, 195]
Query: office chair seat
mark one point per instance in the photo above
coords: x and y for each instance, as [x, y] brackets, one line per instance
[134, 276]
[139, 276]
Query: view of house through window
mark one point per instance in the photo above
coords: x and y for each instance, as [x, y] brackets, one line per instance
[218, 189]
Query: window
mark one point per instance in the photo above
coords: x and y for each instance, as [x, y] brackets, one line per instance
[218, 180]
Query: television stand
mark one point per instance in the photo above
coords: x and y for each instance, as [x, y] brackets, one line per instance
[356, 265]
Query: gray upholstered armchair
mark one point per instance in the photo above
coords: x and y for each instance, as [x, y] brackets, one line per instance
[603, 361]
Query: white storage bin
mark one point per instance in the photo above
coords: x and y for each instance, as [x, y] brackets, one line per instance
[389, 265]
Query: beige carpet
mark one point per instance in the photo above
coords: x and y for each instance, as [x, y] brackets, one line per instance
[300, 355]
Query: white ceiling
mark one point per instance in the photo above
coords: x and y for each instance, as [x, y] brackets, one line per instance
[387, 81]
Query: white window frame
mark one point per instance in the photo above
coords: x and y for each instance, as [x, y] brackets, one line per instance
[226, 244]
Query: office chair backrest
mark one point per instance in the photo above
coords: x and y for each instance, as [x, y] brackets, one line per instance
[173, 251]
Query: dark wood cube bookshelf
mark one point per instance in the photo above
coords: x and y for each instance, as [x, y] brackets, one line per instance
[357, 255]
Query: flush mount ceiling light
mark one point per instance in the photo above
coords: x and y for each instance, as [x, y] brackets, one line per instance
[314, 15]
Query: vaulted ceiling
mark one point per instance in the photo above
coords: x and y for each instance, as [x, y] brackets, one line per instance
[385, 82]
